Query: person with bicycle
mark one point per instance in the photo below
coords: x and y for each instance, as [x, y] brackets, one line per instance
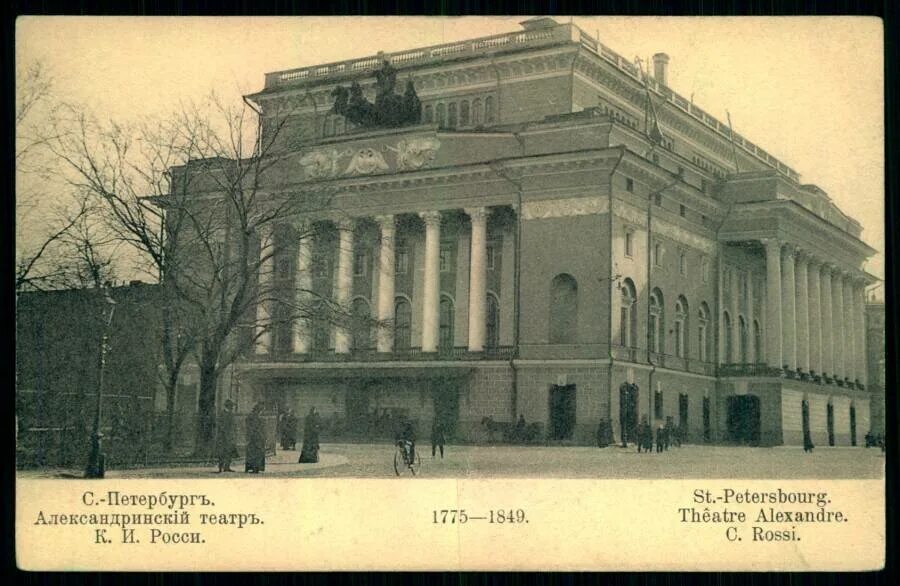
[408, 437]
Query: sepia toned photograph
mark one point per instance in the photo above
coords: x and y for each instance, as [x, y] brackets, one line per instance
[449, 248]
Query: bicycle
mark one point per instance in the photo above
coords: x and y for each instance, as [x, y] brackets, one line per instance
[406, 458]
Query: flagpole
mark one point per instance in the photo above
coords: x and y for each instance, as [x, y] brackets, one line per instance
[737, 169]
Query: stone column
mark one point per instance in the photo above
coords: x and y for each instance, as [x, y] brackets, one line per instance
[802, 309]
[862, 356]
[264, 292]
[827, 329]
[477, 278]
[837, 323]
[344, 282]
[751, 338]
[386, 254]
[773, 303]
[734, 309]
[432, 286]
[815, 319]
[721, 344]
[302, 285]
[849, 329]
[788, 309]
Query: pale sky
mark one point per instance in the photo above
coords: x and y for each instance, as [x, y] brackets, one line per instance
[808, 90]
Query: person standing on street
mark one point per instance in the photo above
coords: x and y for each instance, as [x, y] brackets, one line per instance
[226, 450]
[256, 441]
[437, 437]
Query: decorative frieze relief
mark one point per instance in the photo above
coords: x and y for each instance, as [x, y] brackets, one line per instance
[563, 208]
[638, 217]
[410, 154]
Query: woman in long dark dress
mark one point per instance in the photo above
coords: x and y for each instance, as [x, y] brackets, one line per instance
[256, 441]
[288, 430]
[309, 454]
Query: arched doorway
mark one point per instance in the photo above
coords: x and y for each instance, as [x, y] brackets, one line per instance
[628, 411]
[743, 419]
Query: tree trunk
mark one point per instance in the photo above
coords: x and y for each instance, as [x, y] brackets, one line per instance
[171, 388]
[206, 412]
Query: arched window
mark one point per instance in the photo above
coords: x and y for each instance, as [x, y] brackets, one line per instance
[328, 129]
[441, 115]
[362, 327]
[492, 322]
[681, 327]
[428, 117]
[729, 355]
[402, 323]
[451, 115]
[628, 315]
[488, 109]
[340, 126]
[703, 337]
[743, 339]
[464, 113]
[445, 342]
[563, 310]
[657, 323]
[477, 111]
[757, 341]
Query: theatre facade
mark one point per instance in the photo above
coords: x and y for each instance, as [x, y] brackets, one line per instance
[545, 242]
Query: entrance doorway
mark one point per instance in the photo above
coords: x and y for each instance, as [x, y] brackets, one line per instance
[562, 412]
[357, 409]
[830, 424]
[743, 419]
[445, 397]
[628, 412]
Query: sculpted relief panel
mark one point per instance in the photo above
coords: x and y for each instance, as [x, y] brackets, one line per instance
[410, 154]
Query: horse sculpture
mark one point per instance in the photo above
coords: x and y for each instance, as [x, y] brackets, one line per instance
[389, 109]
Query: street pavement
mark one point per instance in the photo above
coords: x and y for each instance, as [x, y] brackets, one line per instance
[502, 461]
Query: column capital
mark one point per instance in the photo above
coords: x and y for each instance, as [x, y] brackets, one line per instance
[826, 268]
[789, 251]
[386, 221]
[813, 262]
[476, 214]
[345, 223]
[431, 218]
[771, 244]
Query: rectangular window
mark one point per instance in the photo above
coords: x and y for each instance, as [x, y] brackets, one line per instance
[658, 199]
[446, 256]
[629, 243]
[629, 185]
[680, 171]
[682, 211]
[657, 254]
[703, 185]
[704, 269]
[658, 405]
[401, 261]
[682, 262]
[683, 411]
[490, 256]
[359, 263]
[320, 266]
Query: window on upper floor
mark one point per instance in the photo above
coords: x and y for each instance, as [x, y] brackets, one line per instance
[464, 113]
[629, 185]
[441, 113]
[490, 256]
[657, 198]
[446, 257]
[401, 261]
[682, 262]
[488, 109]
[682, 211]
[629, 243]
[704, 269]
[428, 116]
[451, 115]
[359, 263]
[477, 111]
[680, 172]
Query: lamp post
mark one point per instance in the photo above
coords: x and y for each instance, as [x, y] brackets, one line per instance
[96, 466]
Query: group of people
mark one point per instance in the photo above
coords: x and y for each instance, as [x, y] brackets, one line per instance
[666, 435]
[255, 458]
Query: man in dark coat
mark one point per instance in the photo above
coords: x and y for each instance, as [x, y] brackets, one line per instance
[807, 441]
[226, 450]
[519, 432]
[661, 441]
[288, 430]
[309, 453]
[437, 437]
[645, 436]
[256, 441]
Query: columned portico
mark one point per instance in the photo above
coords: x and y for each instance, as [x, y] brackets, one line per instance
[734, 278]
[827, 321]
[802, 308]
[303, 285]
[788, 309]
[815, 321]
[850, 358]
[773, 303]
[837, 323]
[344, 281]
[860, 306]
[386, 257]
[477, 278]
[263, 329]
[431, 300]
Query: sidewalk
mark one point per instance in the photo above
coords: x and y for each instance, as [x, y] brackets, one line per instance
[282, 463]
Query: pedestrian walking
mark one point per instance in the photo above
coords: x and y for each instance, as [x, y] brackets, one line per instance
[660, 438]
[807, 441]
[225, 448]
[437, 437]
[309, 453]
[288, 430]
[256, 441]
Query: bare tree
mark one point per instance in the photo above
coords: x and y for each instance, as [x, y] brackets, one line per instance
[200, 196]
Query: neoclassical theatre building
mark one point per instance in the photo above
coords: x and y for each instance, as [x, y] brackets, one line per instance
[560, 237]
